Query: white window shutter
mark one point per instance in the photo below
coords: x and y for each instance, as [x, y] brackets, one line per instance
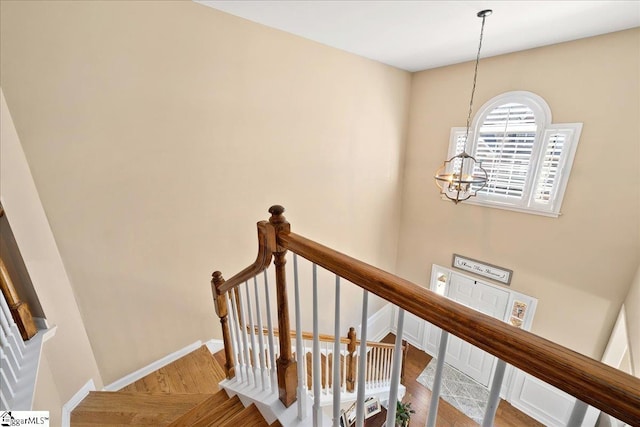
[504, 147]
[555, 164]
[457, 141]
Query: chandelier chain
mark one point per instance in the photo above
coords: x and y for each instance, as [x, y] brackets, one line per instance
[475, 78]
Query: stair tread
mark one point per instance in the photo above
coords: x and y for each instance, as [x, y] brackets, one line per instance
[202, 410]
[196, 372]
[222, 412]
[248, 417]
[133, 408]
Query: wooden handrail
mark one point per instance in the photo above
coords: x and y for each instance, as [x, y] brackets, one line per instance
[219, 286]
[592, 382]
[266, 248]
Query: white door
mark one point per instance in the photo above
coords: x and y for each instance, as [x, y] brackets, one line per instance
[489, 300]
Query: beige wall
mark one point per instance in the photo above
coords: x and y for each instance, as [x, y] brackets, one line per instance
[159, 132]
[67, 358]
[580, 265]
[47, 397]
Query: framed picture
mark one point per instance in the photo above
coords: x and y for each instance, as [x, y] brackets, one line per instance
[343, 420]
[371, 407]
[348, 417]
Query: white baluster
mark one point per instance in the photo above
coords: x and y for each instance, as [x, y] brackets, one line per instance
[237, 326]
[370, 367]
[4, 401]
[232, 329]
[380, 370]
[390, 363]
[317, 414]
[252, 335]
[362, 361]
[377, 365]
[383, 357]
[11, 329]
[7, 380]
[388, 355]
[245, 338]
[577, 414]
[260, 333]
[303, 360]
[437, 380]
[494, 394]
[395, 373]
[327, 369]
[343, 366]
[373, 351]
[11, 373]
[336, 358]
[272, 347]
[13, 360]
[391, 352]
[301, 392]
[383, 361]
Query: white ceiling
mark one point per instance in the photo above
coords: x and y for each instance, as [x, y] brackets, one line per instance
[416, 35]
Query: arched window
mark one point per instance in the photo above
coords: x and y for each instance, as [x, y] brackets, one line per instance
[527, 158]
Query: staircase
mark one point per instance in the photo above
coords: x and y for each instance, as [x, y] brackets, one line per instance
[184, 393]
[252, 369]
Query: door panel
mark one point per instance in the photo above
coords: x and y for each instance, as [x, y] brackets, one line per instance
[489, 300]
[455, 349]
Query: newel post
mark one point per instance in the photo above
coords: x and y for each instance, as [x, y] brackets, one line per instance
[351, 360]
[405, 350]
[223, 313]
[286, 365]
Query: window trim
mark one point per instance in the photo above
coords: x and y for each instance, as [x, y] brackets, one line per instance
[545, 129]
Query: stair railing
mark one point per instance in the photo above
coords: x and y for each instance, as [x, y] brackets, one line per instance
[378, 355]
[591, 382]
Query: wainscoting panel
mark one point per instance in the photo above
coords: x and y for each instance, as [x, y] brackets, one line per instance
[541, 401]
[379, 324]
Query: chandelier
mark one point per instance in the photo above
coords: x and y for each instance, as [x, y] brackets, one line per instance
[462, 176]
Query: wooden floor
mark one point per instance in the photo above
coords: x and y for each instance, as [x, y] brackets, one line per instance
[184, 393]
[198, 373]
[420, 396]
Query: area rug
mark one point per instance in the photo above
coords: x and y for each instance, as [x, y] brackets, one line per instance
[465, 394]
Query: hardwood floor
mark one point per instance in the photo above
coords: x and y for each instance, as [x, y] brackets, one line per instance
[198, 373]
[448, 415]
[184, 393]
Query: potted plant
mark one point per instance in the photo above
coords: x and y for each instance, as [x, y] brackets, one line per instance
[403, 414]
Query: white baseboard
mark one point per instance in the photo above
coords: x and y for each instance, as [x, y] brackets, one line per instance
[214, 345]
[142, 372]
[75, 401]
